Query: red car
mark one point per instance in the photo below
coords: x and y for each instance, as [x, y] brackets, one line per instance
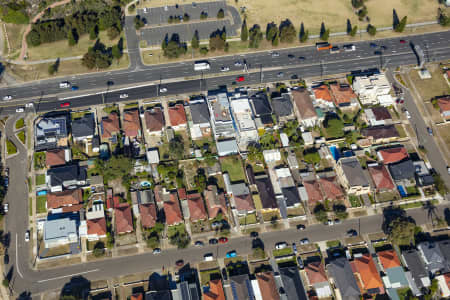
[240, 78]
[402, 42]
[223, 240]
[65, 104]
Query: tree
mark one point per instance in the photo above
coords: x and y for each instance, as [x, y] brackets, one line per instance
[176, 147]
[354, 31]
[320, 213]
[444, 20]
[116, 167]
[401, 26]
[195, 43]
[349, 26]
[271, 31]
[372, 30]
[439, 184]
[116, 52]
[5, 282]
[72, 37]
[401, 231]
[340, 211]
[217, 40]
[287, 32]
[200, 180]
[362, 13]
[138, 22]
[180, 237]
[93, 32]
[174, 48]
[204, 50]
[53, 68]
[113, 32]
[244, 31]
[131, 8]
[34, 38]
[395, 19]
[311, 156]
[99, 249]
[255, 36]
[303, 33]
[324, 33]
[254, 153]
[186, 17]
[275, 40]
[203, 15]
[220, 14]
[357, 3]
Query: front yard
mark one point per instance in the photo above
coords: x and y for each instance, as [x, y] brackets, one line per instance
[39, 160]
[429, 88]
[283, 252]
[40, 179]
[41, 204]
[248, 219]
[206, 276]
[233, 166]
[355, 201]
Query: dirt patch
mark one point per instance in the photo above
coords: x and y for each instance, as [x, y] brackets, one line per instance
[59, 262]
[430, 88]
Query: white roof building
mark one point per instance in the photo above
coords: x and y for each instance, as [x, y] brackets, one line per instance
[308, 138]
[272, 155]
[153, 156]
[227, 147]
[370, 88]
[243, 115]
[284, 139]
[60, 232]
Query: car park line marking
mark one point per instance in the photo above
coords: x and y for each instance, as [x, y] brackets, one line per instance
[65, 276]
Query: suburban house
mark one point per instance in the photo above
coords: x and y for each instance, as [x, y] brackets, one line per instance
[423, 174]
[172, 210]
[343, 279]
[131, 124]
[57, 157]
[50, 132]
[152, 156]
[444, 107]
[261, 110]
[411, 260]
[322, 96]
[227, 147]
[314, 193]
[137, 296]
[60, 232]
[377, 116]
[154, 120]
[243, 201]
[148, 214]
[215, 202]
[403, 172]
[96, 229]
[65, 177]
[83, 129]
[123, 218]
[317, 278]
[283, 108]
[434, 260]
[177, 117]
[241, 287]
[343, 96]
[266, 192]
[196, 206]
[352, 176]
[331, 189]
[67, 198]
[221, 120]
[186, 290]
[265, 287]
[214, 291]
[244, 120]
[368, 274]
[201, 126]
[372, 89]
[381, 134]
[292, 283]
[380, 177]
[392, 155]
[395, 276]
[304, 108]
[291, 196]
[110, 127]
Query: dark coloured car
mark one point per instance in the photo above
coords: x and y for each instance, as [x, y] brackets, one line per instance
[295, 76]
[384, 47]
[223, 240]
[74, 88]
[224, 274]
[179, 262]
[213, 241]
[430, 131]
[301, 265]
[402, 42]
[199, 243]
[377, 52]
[352, 232]
[301, 58]
[301, 227]
[6, 258]
[254, 234]
[373, 45]
[291, 56]
[110, 82]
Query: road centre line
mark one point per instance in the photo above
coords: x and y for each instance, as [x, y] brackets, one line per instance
[65, 276]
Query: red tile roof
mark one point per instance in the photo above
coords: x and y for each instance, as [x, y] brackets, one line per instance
[96, 226]
[444, 104]
[109, 199]
[215, 202]
[381, 178]
[316, 272]
[368, 272]
[73, 208]
[65, 198]
[172, 210]
[131, 124]
[313, 191]
[215, 291]
[244, 202]
[447, 279]
[388, 259]
[393, 155]
[322, 92]
[267, 286]
[342, 93]
[124, 220]
[154, 119]
[181, 193]
[157, 191]
[331, 189]
[148, 215]
[177, 115]
[110, 125]
[138, 296]
[55, 157]
[116, 201]
[196, 206]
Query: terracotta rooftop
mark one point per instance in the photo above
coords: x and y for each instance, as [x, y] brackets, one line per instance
[138, 296]
[96, 226]
[331, 189]
[72, 208]
[380, 132]
[110, 125]
[131, 124]
[303, 103]
[342, 93]
[154, 119]
[322, 92]
[215, 291]
[124, 220]
[196, 206]
[388, 259]
[55, 157]
[381, 177]
[444, 104]
[177, 115]
[244, 202]
[267, 286]
[65, 198]
[215, 202]
[368, 272]
[172, 210]
[148, 215]
[316, 272]
[313, 191]
[393, 155]
[181, 193]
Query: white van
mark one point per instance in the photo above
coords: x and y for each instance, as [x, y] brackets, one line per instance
[208, 257]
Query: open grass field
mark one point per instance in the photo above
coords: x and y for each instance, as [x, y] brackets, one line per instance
[429, 88]
[15, 32]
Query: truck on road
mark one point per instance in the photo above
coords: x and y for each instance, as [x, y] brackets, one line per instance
[323, 46]
[201, 65]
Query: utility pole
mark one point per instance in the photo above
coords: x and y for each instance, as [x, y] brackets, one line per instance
[261, 74]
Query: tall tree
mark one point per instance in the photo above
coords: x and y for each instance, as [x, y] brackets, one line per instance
[349, 26]
[195, 43]
[93, 32]
[244, 31]
[271, 31]
[372, 30]
[354, 31]
[72, 37]
[287, 32]
[303, 33]
[401, 26]
[255, 36]
[395, 19]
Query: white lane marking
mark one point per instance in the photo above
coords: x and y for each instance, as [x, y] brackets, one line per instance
[17, 258]
[65, 276]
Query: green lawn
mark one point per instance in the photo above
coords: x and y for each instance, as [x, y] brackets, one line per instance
[39, 160]
[412, 190]
[249, 219]
[110, 109]
[10, 147]
[282, 252]
[333, 244]
[233, 166]
[354, 201]
[41, 204]
[21, 136]
[20, 123]
[206, 276]
[40, 179]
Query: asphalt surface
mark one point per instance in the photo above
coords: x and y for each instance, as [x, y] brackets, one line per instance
[315, 63]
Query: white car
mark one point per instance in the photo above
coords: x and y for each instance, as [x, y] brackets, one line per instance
[7, 97]
[408, 115]
[20, 110]
[448, 170]
[123, 96]
[156, 251]
[208, 257]
[224, 69]
[29, 105]
[162, 90]
[5, 207]
[275, 54]
[280, 245]
[304, 241]
[27, 236]
[64, 85]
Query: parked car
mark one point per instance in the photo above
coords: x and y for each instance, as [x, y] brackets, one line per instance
[301, 265]
[280, 74]
[7, 172]
[224, 69]
[408, 115]
[231, 254]
[301, 58]
[291, 56]
[240, 78]
[295, 76]
[208, 257]
[223, 240]
[20, 110]
[224, 274]
[74, 88]
[238, 64]
[294, 246]
[337, 221]
[280, 245]
[6, 181]
[430, 131]
[163, 90]
[65, 104]
[301, 227]
[377, 52]
[29, 105]
[199, 244]
[213, 241]
[329, 223]
[27, 236]
[275, 54]
[179, 262]
[352, 232]
[7, 97]
[254, 234]
[156, 251]
[373, 45]
[123, 96]
[6, 207]
[304, 241]
[402, 42]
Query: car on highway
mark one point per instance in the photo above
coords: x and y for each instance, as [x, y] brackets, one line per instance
[223, 240]
[231, 254]
[301, 265]
[240, 78]
[163, 90]
[213, 241]
[199, 244]
[334, 49]
[291, 56]
[377, 52]
[352, 232]
[295, 76]
[430, 131]
[109, 82]
[383, 47]
[304, 241]
[224, 69]
[6, 207]
[280, 245]
[349, 47]
[74, 88]
[64, 85]
[156, 251]
[301, 58]
[254, 234]
[20, 110]
[275, 54]
[402, 42]
[29, 105]
[27, 236]
[208, 257]
[301, 227]
[123, 96]
[408, 115]
[280, 74]
[238, 64]
[179, 262]
[7, 97]
[65, 104]
[373, 45]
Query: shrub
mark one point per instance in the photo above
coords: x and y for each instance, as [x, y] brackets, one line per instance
[372, 30]
[220, 14]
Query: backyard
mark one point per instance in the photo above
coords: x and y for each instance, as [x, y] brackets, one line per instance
[233, 166]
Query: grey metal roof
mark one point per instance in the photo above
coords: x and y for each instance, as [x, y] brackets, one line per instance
[292, 283]
[84, 126]
[158, 295]
[291, 195]
[239, 189]
[282, 106]
[199, 112]
[187, 291]
[353, 171]
[260, 104]
[415, 265]
[445, 250]
[227, 147]
[241, 287]
[66, 173]
[402, 170]
[344, 279]
[59, 229]
[397, 275]
[433, 257]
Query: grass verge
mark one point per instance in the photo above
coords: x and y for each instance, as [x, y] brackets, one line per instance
[41, 202]
[40, 179]
[20, 123]
[21, 136]
[10, 147]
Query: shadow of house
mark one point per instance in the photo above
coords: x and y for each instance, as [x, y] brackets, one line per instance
[78, 287]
